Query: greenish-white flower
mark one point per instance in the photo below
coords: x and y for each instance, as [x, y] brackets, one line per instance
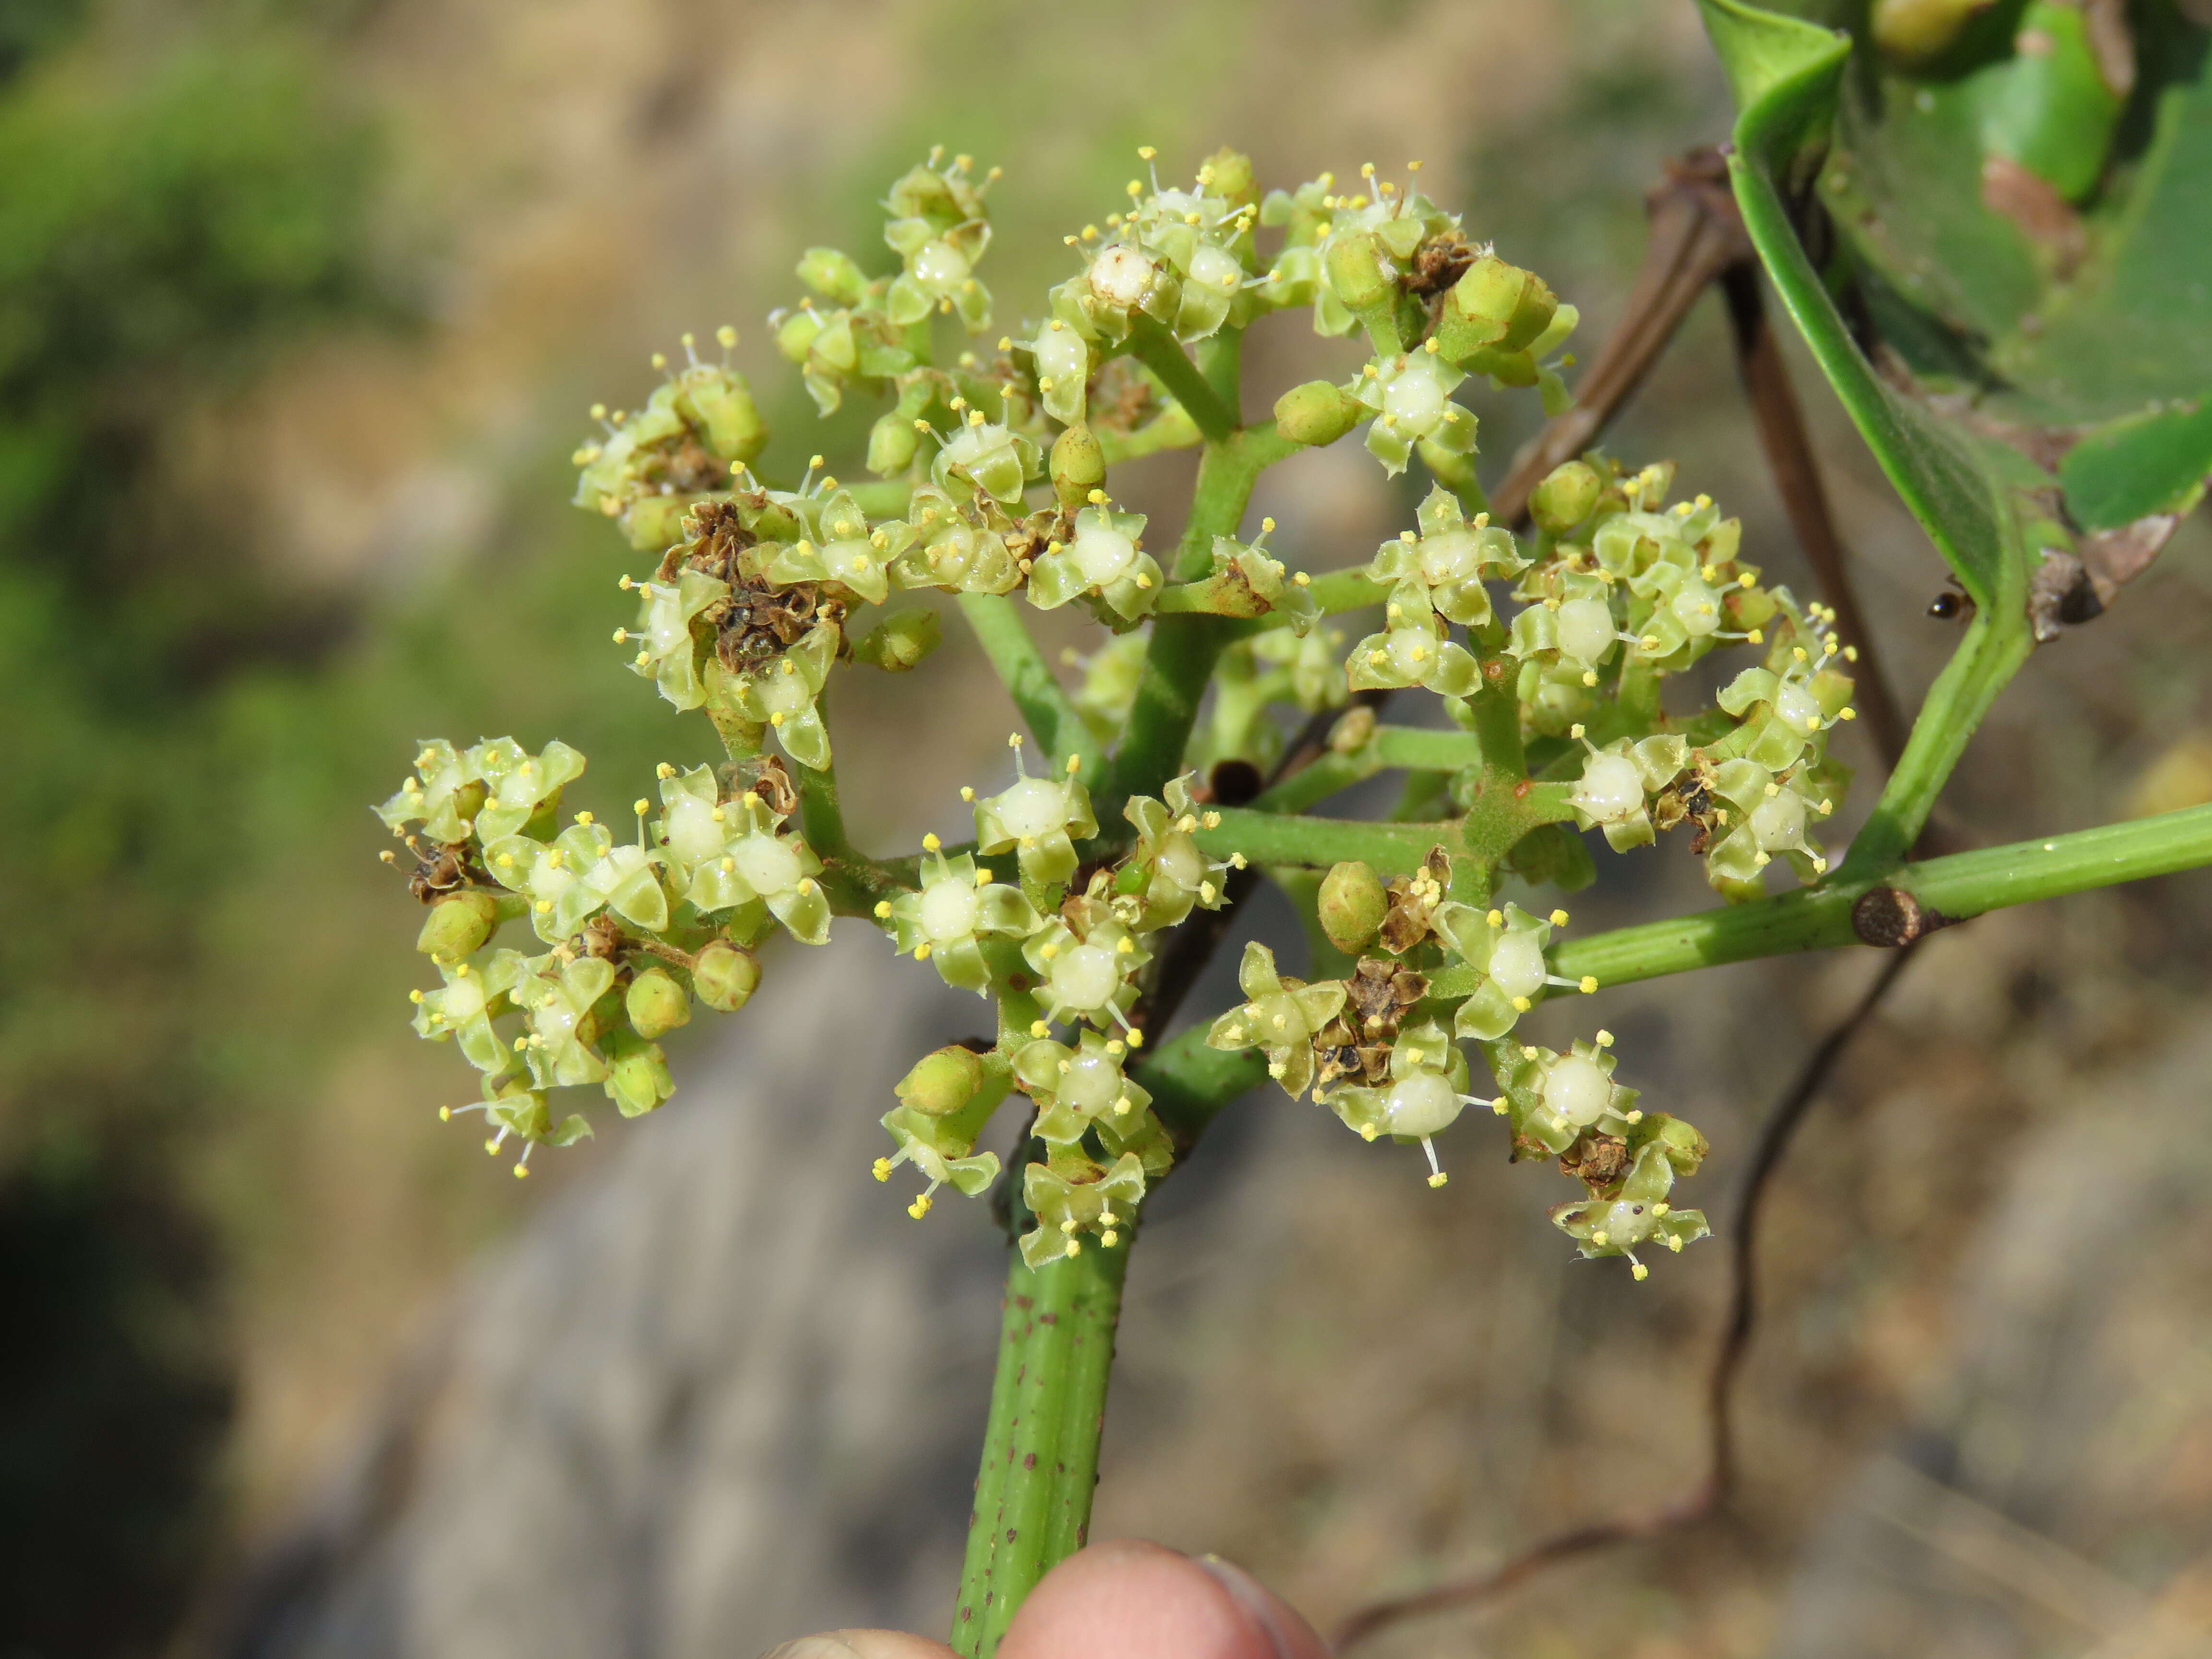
[1423, 1096]
[1280, 1017]
[1412, 649]
[1411, 398]
[1040, 819]
[1451, 559]
[784, 695]
[957, 907]
[1105, 558]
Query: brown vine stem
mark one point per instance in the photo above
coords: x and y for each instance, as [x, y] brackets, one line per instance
[1717, 1486]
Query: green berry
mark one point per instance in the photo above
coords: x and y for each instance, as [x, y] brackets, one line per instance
[458, 927]
[940, 1083]
[725, 977]
[1079, 466]
[900, 642]
[1352, 903]
[656, 1004]
[1317, 413]
[1566, 496]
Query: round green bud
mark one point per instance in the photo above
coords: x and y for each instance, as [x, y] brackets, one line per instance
[1359, 273]
[1353, 904]
[1079, 466]
[892, 445]
[1497, 305]
[832, 275]
[940, 1083]
[638, 1079]
[653, 523]
[1566, 497]
[458, 925]
[724, 976]
[656, 1003]
[1317, 413]
[795, 333]
[900, 641]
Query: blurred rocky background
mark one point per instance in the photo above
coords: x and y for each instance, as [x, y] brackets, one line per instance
[300, 307]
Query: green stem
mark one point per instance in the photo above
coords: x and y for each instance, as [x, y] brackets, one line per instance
[1221, 361]
[1959, 886]
[1172, 429]
[1180, 657]
[1030, 681]
[1318, 781]
[1040, 1460]
[1150, 344]
[1985, 661]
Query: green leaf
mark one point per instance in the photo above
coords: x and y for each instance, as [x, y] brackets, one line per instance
[2139, 465]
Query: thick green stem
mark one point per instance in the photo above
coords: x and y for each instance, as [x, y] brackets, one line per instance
[1030, 681]
[1984, 664]
[1041, 1448]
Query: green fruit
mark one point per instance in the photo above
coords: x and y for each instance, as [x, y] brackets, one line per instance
[940, 1083]
[458, 925]
[1351, 905]
[724, 977]
[1317, 413]
[656, 1003]
[1566, 497]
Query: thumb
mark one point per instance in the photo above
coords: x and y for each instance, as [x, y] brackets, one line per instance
[1132, 1599]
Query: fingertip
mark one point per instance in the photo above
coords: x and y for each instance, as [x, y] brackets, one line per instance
[862, 1645]
[1127, 1599]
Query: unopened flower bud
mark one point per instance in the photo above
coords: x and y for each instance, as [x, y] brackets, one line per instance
[1495, 305]
[638, 1079]
[1317, 413]
[458, 925]
[656, 1003]
[832, 275]
[1566, 497]
[1353, 904]
[940, 1083]
[1358, 274]
[892, 445]
[900, 642]
[725, 977]
[1079, 466]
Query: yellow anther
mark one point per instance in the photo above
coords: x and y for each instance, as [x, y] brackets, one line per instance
[725, 337]
[1439, 1179]
[1604, 1039]
[641, 806]
[1520, 1004]
[921, 952]
[1074, 764]
[920, 1208]
[966, 792]
[930, 843]
[1588, 983]
[1145, 152]
[1136, 1039]
[1495, 918]
[1038, 1028]
[1639, 1271]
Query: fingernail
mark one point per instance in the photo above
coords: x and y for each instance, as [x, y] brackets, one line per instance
[1245, 1591]
[814, 1647]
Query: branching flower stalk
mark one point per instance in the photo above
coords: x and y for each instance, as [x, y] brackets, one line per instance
[990, 480]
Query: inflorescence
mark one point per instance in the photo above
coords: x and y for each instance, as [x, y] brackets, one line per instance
[988, 478]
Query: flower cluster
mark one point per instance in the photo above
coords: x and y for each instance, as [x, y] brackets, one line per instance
[1077, 909]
